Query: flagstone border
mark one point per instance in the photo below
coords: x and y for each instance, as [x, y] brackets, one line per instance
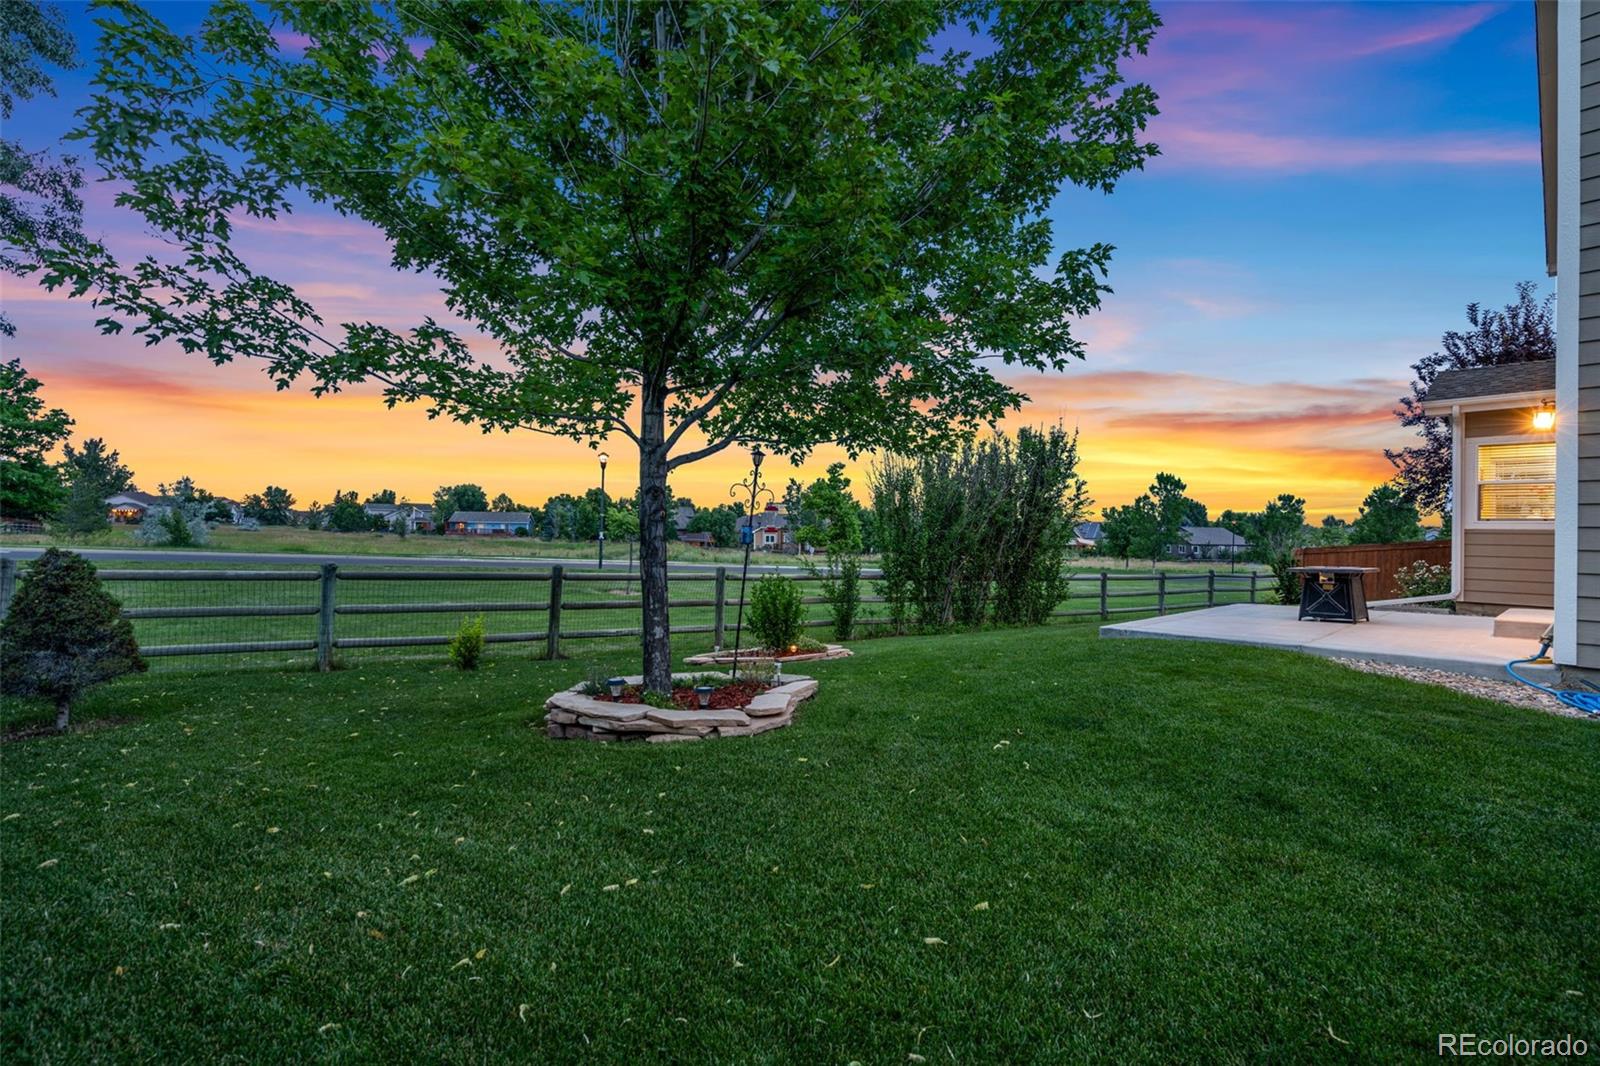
[724, 657]
[571, 715]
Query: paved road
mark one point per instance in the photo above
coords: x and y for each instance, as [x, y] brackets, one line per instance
[130, 555]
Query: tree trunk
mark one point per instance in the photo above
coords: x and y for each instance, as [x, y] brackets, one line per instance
[657, 640]
[63, 714]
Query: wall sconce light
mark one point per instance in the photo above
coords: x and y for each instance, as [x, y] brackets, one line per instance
[1545, 417]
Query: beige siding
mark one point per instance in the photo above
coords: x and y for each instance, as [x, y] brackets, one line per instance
[1514, 568]
[1501, 569]
[1511, 422]
[1589, 347]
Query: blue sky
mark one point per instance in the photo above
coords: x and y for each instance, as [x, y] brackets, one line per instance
[1336, 183]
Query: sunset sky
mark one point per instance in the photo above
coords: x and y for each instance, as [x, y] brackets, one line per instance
[1336, 183]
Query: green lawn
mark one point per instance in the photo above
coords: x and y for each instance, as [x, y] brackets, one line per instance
[1000, 847]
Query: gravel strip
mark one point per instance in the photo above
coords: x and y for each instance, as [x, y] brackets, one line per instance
[1507, 691]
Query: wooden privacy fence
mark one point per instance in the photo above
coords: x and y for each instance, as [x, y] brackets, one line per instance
[550, 596]
[1388, 559]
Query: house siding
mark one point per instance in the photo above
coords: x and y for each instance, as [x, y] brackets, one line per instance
[1588, 568]
[1501, 569]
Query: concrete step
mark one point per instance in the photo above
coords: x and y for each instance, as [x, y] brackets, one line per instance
[1523, 623]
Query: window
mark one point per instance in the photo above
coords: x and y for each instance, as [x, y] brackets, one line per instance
[1516, 481]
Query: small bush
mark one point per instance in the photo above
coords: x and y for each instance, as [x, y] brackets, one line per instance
[1286, 585]
[1423, 579]
[595, 677]
[809, 645]
[761, 671]
[466, 647]
[180, 525]
[842, 588]
[775, 612]
[64, 634]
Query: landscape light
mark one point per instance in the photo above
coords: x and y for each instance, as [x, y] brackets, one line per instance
[615, 684]
[703, 694]
[1545, 417]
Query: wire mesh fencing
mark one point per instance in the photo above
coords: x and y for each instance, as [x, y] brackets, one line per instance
[320, 616]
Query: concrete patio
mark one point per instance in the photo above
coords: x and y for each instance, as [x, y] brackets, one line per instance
[1463, 644]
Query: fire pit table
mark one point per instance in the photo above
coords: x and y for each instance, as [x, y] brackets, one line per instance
[1333, 593]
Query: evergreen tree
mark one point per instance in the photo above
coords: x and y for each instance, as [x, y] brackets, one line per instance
[63, 634]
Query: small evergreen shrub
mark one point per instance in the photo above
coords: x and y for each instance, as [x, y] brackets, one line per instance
[466, 647]
[64, 634]
[775, 612]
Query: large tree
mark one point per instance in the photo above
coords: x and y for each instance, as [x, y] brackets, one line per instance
[273, 506]
[690, 225]
[92, 473]
[1523, 331]
[30, 484]
[1386, 517]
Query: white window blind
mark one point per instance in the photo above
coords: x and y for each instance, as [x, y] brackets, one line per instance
[1516, 482]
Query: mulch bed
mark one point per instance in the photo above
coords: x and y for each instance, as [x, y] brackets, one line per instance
[723, 697]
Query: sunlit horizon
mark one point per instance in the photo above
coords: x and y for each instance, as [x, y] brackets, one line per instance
[1337, 182]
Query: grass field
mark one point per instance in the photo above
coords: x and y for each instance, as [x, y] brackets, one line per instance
[1007, 846]
[297, 541]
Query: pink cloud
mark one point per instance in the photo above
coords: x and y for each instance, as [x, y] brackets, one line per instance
[1250, 150]
[1273, 88]
[1436, 28]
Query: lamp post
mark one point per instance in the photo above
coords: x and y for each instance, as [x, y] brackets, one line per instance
[604, 458]
[748, 535]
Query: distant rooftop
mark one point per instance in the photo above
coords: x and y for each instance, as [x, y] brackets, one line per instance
[515, 518]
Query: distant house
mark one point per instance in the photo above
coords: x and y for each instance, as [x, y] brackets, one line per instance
[681, 517]
[418, 516]
[771, 531]
[1209, 542]
[1086, 535]
[489, 523]
[129, 508]
[699, 540]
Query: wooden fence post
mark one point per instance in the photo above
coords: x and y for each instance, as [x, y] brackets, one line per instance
[717, 612]
[1211, 588]
[1161, 592]
[8, 585]
[1252, 586]
[1104, 613]
[329, 584]
[552, 639]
